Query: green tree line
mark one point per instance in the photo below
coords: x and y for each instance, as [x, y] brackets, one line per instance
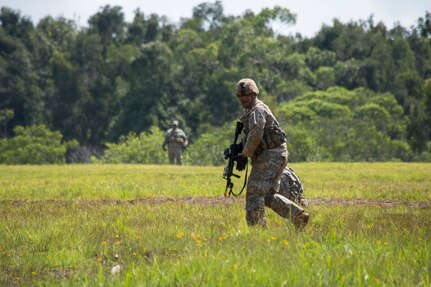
[356, 91]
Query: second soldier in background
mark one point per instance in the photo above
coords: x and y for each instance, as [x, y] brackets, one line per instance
[176, 140]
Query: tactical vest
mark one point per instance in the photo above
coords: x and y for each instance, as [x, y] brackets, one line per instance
[273, 135]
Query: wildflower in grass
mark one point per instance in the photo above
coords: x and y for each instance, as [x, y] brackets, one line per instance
[221, 238]
[103, 242]
[134, 253]
[117, 242]
[272, 238]
[180, 235]
[379, 242]
[33, 273]
[285, 242]
[139, 238]
[99, 259]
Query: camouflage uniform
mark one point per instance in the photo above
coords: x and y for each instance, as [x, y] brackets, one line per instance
[175, 139]
[265, 143]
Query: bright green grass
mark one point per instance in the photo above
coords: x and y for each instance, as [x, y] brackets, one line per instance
[399, 181]
[107, 181]
[69, 225]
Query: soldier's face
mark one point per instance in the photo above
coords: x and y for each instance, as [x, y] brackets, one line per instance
[247, 101]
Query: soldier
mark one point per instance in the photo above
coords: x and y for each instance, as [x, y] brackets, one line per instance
[265, 144]
[176, 140]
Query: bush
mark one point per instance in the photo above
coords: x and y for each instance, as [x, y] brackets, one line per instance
[208, 149]
[33, 145]
[145, 148]
[301, 145]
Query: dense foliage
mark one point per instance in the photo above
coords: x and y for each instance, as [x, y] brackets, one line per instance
[346, 125]
[356, 91]
[34, 145]
[144, 148]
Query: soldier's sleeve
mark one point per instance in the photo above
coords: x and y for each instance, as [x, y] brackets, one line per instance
[165, 141]
[256, 123]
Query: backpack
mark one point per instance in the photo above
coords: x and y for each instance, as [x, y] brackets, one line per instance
[291, 187]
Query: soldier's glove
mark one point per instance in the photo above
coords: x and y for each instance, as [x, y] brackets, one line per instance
[241, 162]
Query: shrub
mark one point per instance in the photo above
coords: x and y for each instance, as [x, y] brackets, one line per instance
[208, 149]
[145, 148]
[33, 145]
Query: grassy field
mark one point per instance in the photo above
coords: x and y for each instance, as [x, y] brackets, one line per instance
[142, 225]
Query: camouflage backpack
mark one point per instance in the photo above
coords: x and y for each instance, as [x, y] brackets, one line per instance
[291, 187]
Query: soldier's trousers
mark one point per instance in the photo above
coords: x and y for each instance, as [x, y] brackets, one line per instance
[175, 156]
[263, 185]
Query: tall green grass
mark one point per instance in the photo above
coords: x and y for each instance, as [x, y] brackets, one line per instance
[70, 225]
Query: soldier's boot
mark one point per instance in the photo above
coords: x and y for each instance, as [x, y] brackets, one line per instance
[301, 220]
[256, 218]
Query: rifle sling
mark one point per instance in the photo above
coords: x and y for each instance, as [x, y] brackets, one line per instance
[245, 183]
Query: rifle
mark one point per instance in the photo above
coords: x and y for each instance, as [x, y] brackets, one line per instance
[231, 154]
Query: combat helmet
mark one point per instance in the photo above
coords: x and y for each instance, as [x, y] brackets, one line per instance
[245, 87]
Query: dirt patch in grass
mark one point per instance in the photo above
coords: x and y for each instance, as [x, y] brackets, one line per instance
[217, 200]
[221, 200]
